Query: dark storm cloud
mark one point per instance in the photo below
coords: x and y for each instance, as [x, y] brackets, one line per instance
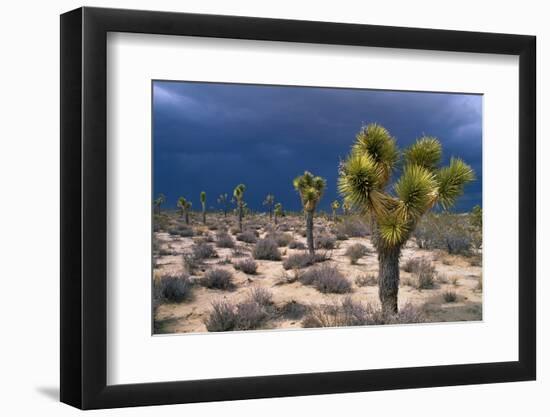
[214, 136]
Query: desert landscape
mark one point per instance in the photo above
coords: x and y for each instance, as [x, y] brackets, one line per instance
[278, 207]
[210, 276]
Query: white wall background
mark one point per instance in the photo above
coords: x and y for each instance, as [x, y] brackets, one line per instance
[29, 219]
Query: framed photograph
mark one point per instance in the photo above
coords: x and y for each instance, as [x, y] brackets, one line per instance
[261, 208]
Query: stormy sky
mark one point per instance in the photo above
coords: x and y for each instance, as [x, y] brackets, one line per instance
[213, 136]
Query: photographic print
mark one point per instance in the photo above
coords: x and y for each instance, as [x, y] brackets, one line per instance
[294, 207]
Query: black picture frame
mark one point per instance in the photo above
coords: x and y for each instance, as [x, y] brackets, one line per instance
[84, 207]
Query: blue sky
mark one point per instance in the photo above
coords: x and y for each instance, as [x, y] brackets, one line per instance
[213, 136]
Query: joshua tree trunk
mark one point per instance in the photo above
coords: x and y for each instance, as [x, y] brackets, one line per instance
[240, 218]
[333, 215]
[204, 216]
[309, 231]
[275, 219]
[388, 278]
[186, 217]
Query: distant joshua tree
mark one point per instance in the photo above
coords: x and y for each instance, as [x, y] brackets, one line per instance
[238, 195]
[203, 203]
[476, 217]
[335, 205]
[185, 207]
[269, 202]
[311, 190]
[363, 180]
[345, 207]
[223, 200]
[278, 211]
[158, 202]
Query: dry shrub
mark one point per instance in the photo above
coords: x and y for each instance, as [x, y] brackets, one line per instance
[302, 260]
[296, 244]
[266, 249]
[325, 242]
[353, 226]
[262, 296]
[221, 318]
[368, 280]
[423, 272]
[248, 236]
[282, 239]
[326, 279]
[224, 240]
[248, 266]
[356, 252]
[172, 288]
[247, 315]
[294, 310]
[202, 250]
[218, 278]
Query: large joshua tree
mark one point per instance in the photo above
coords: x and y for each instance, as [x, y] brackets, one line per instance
[184, 207]
[203, 203]
[269, 202]
[335, 205]
[311, 190]
[394, 213]
[238, 195]
[223, 200]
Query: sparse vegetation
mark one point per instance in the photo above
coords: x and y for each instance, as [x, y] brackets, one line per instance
[368, 280]
[248, 266]
[202, 250]
[217, 278]
[268, 276]
[356, 252]
[224, 240]
[302, 260]
[170, 288]
[266, 249]
[326, 279]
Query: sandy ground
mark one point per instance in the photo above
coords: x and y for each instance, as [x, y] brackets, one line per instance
[457, 272]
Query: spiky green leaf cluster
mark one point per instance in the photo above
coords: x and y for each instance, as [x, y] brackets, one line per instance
[374, 140]
[451, 181]
[238, 192]
[310, 188]
[416, 190]
[425, 152]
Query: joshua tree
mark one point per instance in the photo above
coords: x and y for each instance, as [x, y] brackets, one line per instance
[184, 207]
[476, 217]
[311, 190]
[363, 178]
[345, 207]
[335, 205]
[269, 202]
[203, 203]
[238, 195]
[223, 200]
[159, 201]
[278, 211]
